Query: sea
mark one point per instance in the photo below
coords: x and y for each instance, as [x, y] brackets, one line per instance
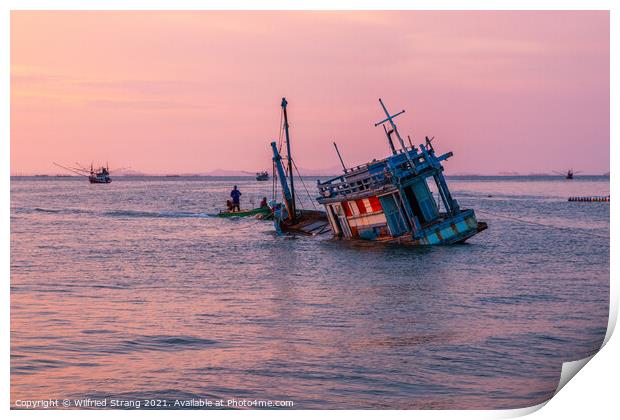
[134, 292]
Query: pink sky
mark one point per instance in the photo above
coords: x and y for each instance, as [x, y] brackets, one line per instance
[169, 92]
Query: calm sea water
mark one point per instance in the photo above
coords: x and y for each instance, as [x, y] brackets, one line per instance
[130, 290]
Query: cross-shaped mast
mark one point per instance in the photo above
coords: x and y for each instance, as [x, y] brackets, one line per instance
[390, 118]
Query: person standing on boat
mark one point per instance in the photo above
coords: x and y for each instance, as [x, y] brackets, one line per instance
[235, 194]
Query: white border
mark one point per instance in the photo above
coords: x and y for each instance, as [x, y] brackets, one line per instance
[596, 382]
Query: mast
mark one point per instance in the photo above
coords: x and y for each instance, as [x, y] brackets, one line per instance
[290, 161]
[277, 161]
[340, 157]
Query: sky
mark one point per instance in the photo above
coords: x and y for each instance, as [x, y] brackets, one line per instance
[192, 92]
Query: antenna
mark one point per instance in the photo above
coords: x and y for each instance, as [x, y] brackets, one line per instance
[340, 157]
[410, 142]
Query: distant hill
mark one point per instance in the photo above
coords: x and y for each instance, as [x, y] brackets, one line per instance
[227, 172]
[128, 172]
[304, 172]
[332, 171]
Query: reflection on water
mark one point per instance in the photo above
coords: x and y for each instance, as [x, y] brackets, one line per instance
[131, 290]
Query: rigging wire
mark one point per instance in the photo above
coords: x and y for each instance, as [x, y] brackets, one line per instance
[304, 184]
[280, 135]
[541, 224]
[273, 181]
[274, 185]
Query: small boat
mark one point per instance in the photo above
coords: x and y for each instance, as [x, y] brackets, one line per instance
[262, 176]
[570, 174]
[260, 211]
[99, 176]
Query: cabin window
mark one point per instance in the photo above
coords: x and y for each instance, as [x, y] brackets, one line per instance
[414, 205]
[332, 215]
[426, 199]
[421, 201]
[432, 186]
[340, 219]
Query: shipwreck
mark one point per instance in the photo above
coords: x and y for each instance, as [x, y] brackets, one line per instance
[387, 200]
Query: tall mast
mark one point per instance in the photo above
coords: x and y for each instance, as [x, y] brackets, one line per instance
[290, 160]
[277, 161]
[344, 168]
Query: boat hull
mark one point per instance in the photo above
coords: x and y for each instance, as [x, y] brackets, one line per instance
[375, 225]
[308, 222]
[454, 230]
[450, 235]
[261, 211]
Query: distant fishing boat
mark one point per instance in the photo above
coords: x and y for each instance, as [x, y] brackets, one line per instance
[100, 176]
[570, 174]
[95, 176]
[390, 200]
[262, 176]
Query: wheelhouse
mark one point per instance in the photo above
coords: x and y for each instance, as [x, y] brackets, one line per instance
[394, 199]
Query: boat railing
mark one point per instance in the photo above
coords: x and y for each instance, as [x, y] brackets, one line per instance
[331, 180]
[344, 186]
[402, 166]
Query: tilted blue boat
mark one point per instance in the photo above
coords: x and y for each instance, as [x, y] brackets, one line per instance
[388, 200]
